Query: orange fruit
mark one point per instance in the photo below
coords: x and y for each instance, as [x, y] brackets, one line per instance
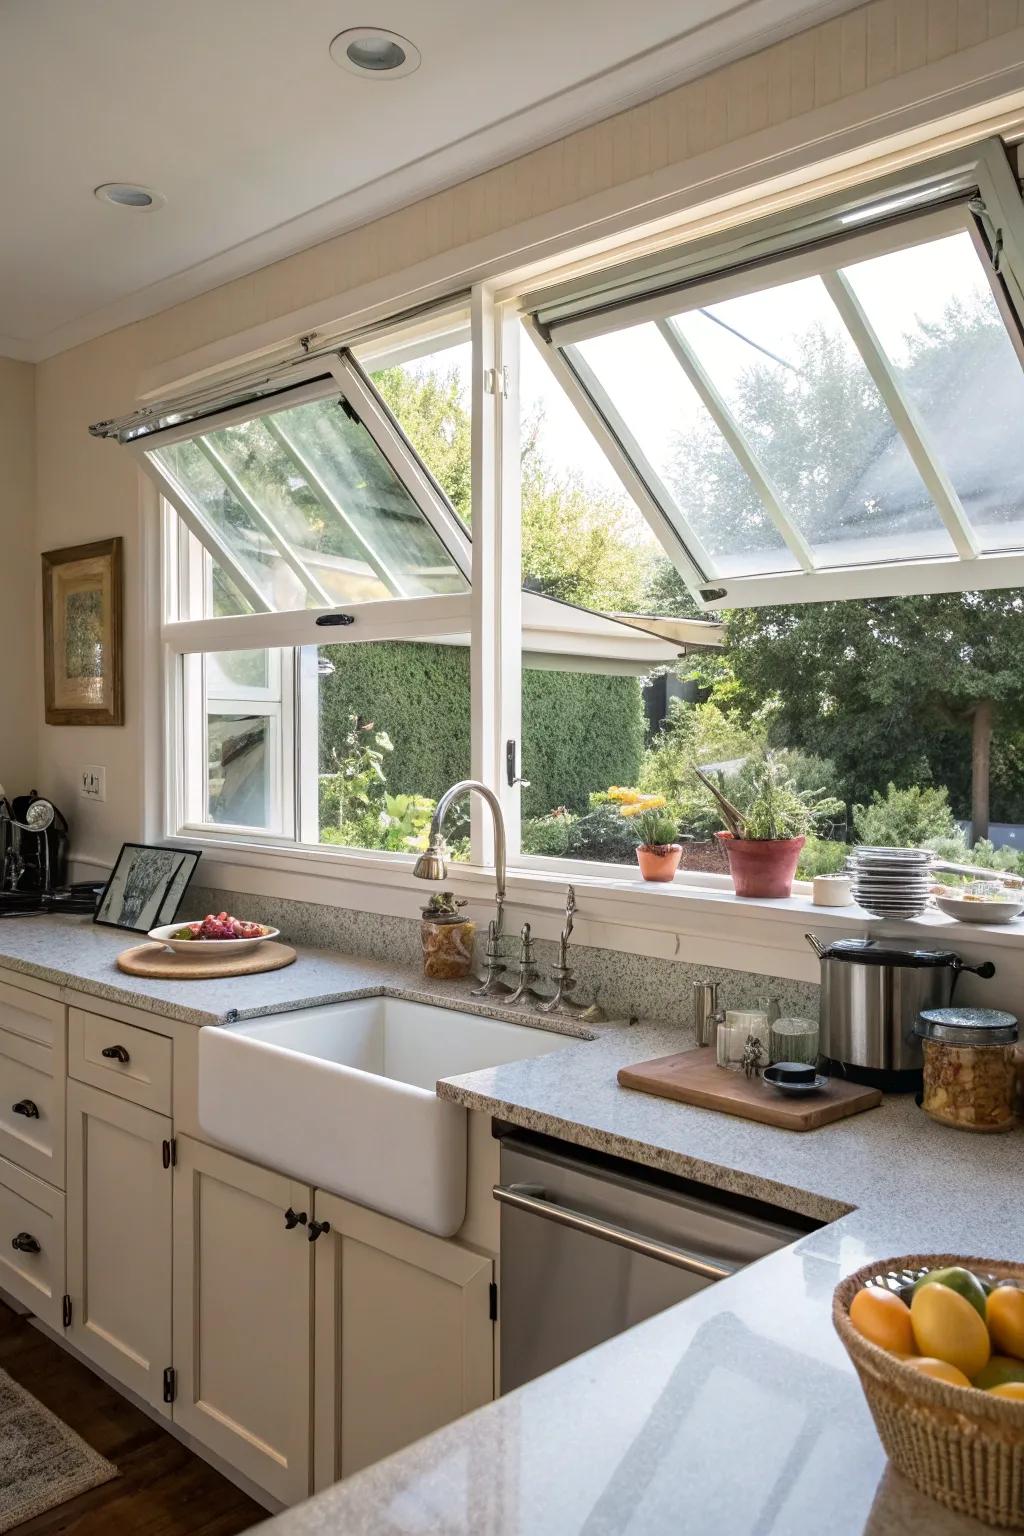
[884, 1319]
[939, 1370]
[1004, 1313]
[1011, 1389]
[947, 1327]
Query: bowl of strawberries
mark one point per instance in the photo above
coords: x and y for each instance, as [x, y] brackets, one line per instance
[218, 933]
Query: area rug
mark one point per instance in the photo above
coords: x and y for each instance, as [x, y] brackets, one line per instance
[43, 1463]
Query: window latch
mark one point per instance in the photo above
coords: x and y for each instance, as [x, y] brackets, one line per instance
[497, 382]
[510, 766]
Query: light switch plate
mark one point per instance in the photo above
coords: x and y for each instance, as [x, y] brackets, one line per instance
[93, 784]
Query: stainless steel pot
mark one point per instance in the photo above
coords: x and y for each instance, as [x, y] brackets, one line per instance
[871, 995]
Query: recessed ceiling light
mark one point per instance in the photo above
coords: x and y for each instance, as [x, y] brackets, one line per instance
[371, 51]
[126, 194]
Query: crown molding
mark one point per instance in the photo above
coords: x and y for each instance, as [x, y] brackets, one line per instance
[746, 28]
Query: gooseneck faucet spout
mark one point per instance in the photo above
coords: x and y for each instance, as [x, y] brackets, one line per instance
[433, 864]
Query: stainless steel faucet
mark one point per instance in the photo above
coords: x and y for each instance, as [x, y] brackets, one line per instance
[433, 864]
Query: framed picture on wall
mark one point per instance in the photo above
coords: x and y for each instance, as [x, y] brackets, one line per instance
[146, 887]
[82, 621]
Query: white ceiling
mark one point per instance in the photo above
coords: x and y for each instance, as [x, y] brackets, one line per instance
[234, 110]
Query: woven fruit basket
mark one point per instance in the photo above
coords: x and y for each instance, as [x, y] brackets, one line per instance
[960, 1446]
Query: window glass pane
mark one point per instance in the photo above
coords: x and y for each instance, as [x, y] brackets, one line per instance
[431, 396]
[935, 316]
[803, 399]
[311, 511]
[664, 413]
[239, 777]
[391, 735]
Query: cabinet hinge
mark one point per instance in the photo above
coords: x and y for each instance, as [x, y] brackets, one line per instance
[170, 1152]
[170, 1384]
[65, 1311]
[493, 1298]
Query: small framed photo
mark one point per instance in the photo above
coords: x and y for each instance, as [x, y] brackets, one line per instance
[146, 887]
[82, 659]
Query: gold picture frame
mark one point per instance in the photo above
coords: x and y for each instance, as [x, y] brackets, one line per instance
[82, 634]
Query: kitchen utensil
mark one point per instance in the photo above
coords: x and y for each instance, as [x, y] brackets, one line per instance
[706, 1013]
[690, 1077]
[891, 882]
[776, 1077]
[999, 910]
[159, 963]
[871, 995]
[957, 1445]
[207, 948]
[969, 1067]
[832, 891]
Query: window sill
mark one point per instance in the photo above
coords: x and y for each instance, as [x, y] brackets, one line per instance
[702, 924]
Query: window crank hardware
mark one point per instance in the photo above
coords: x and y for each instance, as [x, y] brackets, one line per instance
[334, 620]
[316, 1228]
[510, 766]
[25, 1243]
[115, 1053]
[27, 1108]
[294, 1218]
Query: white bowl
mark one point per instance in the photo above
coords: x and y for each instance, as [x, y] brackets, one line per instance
[980, 911]
[207, 947]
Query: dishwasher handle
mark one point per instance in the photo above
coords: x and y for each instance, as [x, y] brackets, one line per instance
[532, 1199]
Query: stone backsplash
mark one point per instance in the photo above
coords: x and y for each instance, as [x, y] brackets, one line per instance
[624, 983]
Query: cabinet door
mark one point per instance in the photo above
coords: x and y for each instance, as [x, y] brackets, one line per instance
[32, 1242]
[243, 1316]
[404, 1337]
[119, 1238]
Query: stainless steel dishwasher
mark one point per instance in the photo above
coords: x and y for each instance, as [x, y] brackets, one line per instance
[591, 1245]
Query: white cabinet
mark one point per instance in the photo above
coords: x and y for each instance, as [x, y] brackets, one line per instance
[32, 1242]
[242, 1315]
[119, 1238]
[404, 1340]
[33, 1065]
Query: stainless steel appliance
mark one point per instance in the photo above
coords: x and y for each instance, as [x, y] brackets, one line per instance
[871, 995]
[591, 1245]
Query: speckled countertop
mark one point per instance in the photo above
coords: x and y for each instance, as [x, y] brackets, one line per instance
[735, 1412]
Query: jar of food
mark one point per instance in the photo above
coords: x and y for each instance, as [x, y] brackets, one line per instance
[969, 1067]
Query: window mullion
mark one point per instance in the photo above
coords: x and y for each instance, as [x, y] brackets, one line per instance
[334, 507]
[320, 595]
[908, 423]
[641, 480]
[731, 430]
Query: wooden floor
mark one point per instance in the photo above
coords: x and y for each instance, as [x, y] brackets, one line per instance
[163, 1490]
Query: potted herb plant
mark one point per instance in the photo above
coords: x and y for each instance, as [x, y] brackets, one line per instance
[658, 850]
[763, 842]
[446, 937]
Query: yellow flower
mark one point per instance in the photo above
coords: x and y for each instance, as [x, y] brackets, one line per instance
[632, 810]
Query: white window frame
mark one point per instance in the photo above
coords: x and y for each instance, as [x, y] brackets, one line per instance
[491, 611]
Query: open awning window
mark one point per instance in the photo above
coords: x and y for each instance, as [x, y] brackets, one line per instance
[831, 406]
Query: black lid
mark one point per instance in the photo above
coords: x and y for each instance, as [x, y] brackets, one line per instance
[872, 952]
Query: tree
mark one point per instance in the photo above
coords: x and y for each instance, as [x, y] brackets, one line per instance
[887, 688]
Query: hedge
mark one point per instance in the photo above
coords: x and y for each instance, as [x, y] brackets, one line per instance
[581, 731]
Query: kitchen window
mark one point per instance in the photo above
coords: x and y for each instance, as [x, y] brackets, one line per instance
[491, 541]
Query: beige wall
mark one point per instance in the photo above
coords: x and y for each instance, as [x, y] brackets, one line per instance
[19, 577]
[855, 75]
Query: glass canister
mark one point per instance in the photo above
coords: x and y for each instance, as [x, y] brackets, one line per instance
[742, 1039]
[794, 1039]
[969, 1067]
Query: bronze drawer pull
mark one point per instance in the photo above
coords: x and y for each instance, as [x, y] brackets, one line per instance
[115, 1053]
[25, 1243]
[27, 1108]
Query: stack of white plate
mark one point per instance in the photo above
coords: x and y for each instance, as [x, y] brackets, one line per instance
[891, 882]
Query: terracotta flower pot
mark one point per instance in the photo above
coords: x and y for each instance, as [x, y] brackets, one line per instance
[659, 861]
[762, 866]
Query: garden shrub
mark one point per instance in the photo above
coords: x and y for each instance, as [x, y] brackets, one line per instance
[904, 818]
[821, 856]
[603, 833]
[546, 835]
[581, 732]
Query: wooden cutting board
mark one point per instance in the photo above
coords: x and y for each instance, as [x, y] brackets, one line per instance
[160, 963]
[692, 1077]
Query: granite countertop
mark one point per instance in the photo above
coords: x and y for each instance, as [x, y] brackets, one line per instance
[735, 1411]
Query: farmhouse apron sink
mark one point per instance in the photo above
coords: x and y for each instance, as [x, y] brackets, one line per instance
[343, 1097]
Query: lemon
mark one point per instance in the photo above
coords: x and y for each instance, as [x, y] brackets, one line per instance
[1011, 1389]
[884, 1319]
[948, 1327]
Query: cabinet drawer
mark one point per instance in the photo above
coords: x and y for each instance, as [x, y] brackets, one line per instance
[139, 1068]
[35, 1018]
[32, 1242]
[32, 1106]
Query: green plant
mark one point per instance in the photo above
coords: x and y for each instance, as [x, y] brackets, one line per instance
[547, 836]
[602, 834]
[653, 829]
[581, 732]
[904, 818]
[358, 769]
[443, 904]
[821, 856]
[777, 810]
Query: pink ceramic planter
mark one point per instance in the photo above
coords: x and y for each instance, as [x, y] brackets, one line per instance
[762, 867]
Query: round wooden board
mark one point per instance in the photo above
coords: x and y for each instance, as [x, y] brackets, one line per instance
[160, 963]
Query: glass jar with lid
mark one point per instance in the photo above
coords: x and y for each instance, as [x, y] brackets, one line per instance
[969, 1067]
